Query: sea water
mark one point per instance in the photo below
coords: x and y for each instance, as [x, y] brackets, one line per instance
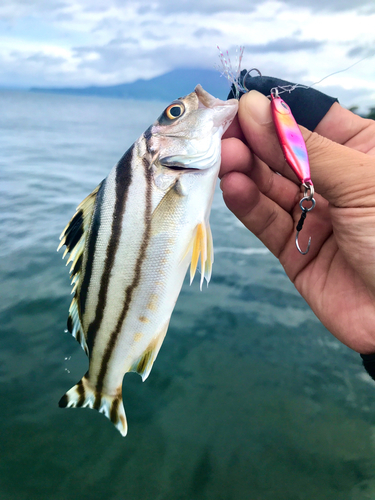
[250, 397]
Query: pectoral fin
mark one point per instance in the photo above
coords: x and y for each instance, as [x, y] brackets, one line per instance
[203, 248]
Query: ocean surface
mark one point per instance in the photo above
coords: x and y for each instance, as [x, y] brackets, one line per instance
[250, 397]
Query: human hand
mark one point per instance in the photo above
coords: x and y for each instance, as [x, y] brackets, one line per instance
[337, 276]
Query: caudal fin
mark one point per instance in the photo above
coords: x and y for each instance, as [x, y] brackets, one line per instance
[82, 395]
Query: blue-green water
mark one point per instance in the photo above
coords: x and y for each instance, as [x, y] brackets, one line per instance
[250, 397]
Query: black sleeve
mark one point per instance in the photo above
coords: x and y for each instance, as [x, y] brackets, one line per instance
[368, 361]
[308, 105]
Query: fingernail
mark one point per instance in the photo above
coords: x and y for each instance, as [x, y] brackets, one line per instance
[258, 106]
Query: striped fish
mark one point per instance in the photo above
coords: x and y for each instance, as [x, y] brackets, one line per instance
[131, 242]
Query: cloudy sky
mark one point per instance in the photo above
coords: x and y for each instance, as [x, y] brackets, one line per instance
[103, 42]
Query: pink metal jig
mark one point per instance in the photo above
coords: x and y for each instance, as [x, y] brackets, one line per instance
[290, 138]
[295, 153]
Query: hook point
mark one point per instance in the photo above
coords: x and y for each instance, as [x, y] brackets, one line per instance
[299, 248]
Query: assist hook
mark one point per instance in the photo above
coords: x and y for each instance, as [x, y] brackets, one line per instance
[306, 197]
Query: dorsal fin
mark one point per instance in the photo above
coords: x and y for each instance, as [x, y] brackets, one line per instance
[74, 238]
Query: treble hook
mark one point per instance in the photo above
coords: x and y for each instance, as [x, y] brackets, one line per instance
[308, 187]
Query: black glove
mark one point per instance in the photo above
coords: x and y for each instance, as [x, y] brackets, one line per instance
[308, 106]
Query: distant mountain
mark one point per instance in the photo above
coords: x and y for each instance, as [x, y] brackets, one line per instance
[167, 87]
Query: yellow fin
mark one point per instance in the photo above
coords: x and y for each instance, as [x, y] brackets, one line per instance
[210, 255]
[145, 362]
[203, 247]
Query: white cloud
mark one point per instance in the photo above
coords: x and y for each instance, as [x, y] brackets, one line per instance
[85, 42]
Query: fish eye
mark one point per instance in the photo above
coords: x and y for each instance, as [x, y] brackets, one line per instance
[175, 110]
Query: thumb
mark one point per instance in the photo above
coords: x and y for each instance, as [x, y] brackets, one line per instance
[345, 177]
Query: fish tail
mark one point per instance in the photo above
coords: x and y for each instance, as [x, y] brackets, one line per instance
[82, 395]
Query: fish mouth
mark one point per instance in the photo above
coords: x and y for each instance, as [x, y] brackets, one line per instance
[224, 111]
[171, 163]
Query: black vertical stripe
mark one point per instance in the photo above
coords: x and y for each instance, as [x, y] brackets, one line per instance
[81, 393]
[147, 135]
[130, 289]
[123, 180]
[91, 247]
[114, 411]
[75, 231]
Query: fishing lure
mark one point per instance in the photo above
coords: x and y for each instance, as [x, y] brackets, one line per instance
[288, 132]
[295, 154]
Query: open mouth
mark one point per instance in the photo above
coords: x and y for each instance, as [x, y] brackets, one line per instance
[173, 164]
[178, 168]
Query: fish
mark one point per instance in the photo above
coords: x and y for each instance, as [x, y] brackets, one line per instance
[130, 244]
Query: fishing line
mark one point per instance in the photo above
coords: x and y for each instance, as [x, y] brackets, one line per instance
[290, 88]
[234, 76]
[343, 70]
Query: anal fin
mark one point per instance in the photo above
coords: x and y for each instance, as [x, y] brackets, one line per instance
[144, 363]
